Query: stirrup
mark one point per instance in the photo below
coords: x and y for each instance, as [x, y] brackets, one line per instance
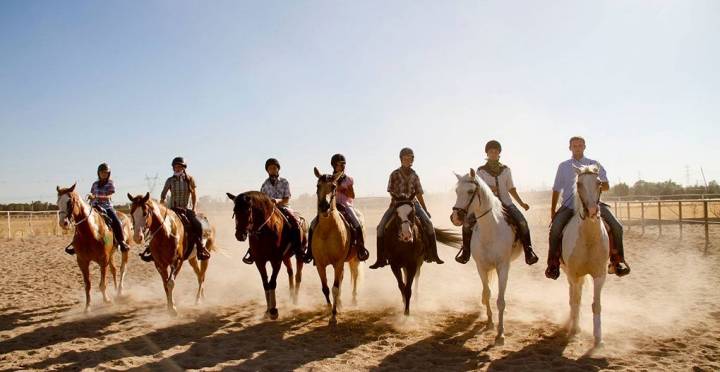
[363, 254]
[146, 255]
[203, 254]
[248, 259]
[530, 257]
[462, 258]
[70, 250]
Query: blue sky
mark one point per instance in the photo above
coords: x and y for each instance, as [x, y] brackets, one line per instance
[227, 84]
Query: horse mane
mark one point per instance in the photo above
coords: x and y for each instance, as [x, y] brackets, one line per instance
[260, 200]
[485, 193]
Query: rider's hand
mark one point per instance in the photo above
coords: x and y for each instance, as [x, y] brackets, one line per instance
[552, 215]
[525, 206]
[91, 197]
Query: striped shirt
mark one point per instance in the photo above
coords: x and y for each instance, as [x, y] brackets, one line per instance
[105, 190]
[402, 183]
[180, 188]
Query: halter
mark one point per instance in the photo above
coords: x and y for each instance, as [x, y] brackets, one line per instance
[257, 231]
[162, 224]
[475, 193]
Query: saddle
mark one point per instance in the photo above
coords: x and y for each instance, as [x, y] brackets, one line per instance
[185, 215]
[511, 221]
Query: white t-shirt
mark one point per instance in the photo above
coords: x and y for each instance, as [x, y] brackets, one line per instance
[504, 179]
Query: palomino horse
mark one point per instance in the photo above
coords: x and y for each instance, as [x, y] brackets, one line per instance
[585, 248]
[493, 244]
[257, 216]
[93, 240]
[405, 250]
[161, 229]
[331, 243]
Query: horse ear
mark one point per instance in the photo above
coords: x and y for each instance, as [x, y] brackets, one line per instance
[57, 188]
[130, 197]
[472, 173]
[230, 196]
[578, 170]
[72, 188]
[459, 177]
[317, 172]
[146, 197]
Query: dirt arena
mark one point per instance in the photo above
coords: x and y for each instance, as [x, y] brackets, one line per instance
[664, 316]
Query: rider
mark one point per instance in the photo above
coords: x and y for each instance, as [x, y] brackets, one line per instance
[182, 189]
[100, 198]
[565, 182]
[344, 197]
[278, 189]
[405, 182]
[499, 177]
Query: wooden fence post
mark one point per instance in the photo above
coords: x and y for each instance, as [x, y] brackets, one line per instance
[680, 218]
[707, 227]
[642, 216]
[659, 219]
[628, 215]
[8, 224]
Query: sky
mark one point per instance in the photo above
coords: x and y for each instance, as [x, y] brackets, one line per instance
[227, 84]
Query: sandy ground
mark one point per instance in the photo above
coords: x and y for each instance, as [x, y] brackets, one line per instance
[664, 316]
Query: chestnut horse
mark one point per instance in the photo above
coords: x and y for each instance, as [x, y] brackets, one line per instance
[257, 216]
[161, 229]
[331, 243]
[93, 240]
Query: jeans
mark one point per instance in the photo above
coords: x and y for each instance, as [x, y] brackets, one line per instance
[115, 225]
[427, 226]
[563, 216]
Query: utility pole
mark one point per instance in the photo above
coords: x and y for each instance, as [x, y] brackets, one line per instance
[687, 175]
[151, 182]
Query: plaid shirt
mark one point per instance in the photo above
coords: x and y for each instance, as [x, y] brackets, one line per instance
[179, 187]
[404, 184]
[280, 189]
[105, 190]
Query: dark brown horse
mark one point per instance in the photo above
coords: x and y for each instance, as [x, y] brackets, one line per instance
[257, 217]
[93, 240]
[162, 229]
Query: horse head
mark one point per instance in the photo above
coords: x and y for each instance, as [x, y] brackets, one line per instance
[326, 188]
[67, 201]
[141, 215]
[588, 190]
[466, 192]
[405, 209]
[243, 215]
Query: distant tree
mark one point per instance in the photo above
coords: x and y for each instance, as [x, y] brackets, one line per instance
[621, 189]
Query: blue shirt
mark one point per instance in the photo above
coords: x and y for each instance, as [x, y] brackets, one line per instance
[105, 190]
[566, 178]
[276, 189]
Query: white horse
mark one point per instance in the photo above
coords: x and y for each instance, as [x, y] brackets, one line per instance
[585, 248]
[493, 243]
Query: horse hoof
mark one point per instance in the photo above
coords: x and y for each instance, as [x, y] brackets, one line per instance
[333, 321]
[354, 302]
[273, 314]
[172, 311]
[87, 310]
[598, 345]
[500, 340]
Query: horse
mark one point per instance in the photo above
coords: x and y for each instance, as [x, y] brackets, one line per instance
[493, 244]
[163, 231]
[257, 217]
[93, 240]
[585, 248]
[331, 243]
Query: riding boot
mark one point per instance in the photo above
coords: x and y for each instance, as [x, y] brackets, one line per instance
[146, 255]
[530, 256]
[381, 261]
[362, 252]
[248, 258]
[202, 252]
[617, 264]
[433, 255]
[308, 253]
[464, 255]
[553, 262]
[124, 247]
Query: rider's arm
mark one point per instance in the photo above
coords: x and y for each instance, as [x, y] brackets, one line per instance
[164, 192]
[553, 203]
[557, 185]
[193, 192]
[517, 198]
[422, 202]
[604, 183]
[283, 201]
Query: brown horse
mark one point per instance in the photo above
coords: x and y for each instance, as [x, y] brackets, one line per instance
[93, 240]
[162, 229]
[331, 243]
[257, 216]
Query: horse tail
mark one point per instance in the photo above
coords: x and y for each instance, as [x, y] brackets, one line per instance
[210, 243]
[448, 237]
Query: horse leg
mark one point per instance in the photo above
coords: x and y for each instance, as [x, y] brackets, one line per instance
[273, 285]
[596, 307]
[575, 297]
[354, 276]
[338, 277]
[103, 283]
[200, 277]
[502, 272]
[291, 278]
[484, 277]
[169, 285]
[113, 271]
[401, 283]
[417, 282]
[298, 277]
[123, 270]
[410, 272]
[85, 269]
[322, 271]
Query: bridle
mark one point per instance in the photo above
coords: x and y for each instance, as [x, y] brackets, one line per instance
[69, 215]
[584, 207]
[146, 214]
[472, 198]
[256, 231]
